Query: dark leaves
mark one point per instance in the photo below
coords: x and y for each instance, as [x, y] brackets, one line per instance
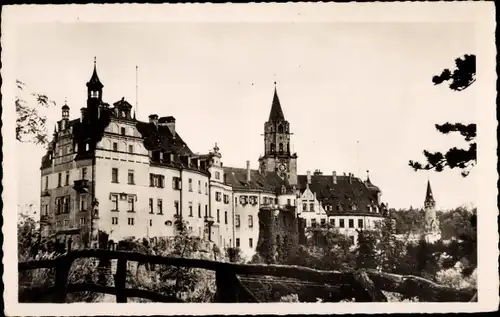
[462, 76]
[30, 124]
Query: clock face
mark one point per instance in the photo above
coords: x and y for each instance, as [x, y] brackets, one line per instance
[282, 167]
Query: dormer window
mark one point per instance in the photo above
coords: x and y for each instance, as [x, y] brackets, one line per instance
[123, 114]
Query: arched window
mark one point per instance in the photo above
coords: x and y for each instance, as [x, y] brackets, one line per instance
[280, 129]
[288, 147]
[281, 147]
[272, 147]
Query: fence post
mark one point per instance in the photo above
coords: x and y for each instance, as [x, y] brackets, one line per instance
[120, 279]
[61, 280]
[227, 286]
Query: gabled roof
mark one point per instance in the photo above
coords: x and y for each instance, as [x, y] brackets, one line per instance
[276, 113]
[159, 138]
[237, 178]
[343, 192]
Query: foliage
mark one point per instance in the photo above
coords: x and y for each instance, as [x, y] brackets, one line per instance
[28, 238]
[291, 298]
[408, 220]
[366, 253]
[30, 123]
[188, 284]
[464, 159]
[453, 277]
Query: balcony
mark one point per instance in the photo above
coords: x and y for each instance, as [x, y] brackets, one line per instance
[209, 220]
[45, 193]
[81, 185]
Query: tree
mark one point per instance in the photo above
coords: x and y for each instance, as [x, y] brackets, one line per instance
[366, 254]
[30, 123]
[462, 77]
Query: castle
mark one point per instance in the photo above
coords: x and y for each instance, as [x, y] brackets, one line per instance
[109, 172]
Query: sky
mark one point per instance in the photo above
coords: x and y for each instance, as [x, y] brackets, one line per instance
[358, 96]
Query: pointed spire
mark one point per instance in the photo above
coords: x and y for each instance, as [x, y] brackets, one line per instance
[368, 177]
[276, 111]
[94, 80]
[428, 195]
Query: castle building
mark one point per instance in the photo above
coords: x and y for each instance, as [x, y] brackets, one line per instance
[107, 172]
[432, 232]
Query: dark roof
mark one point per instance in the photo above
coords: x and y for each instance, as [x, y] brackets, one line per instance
[428, 195]
[65, 107]
[237, 178]
[159, 138]
[94, 80]
[343, 192]
[276, 113]
[122, 103]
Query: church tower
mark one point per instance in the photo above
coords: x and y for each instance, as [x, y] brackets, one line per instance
[277, 155]
[432, 231]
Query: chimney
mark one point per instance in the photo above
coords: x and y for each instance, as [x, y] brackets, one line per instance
[170, 123]
[334, 176]
[248, 171]
[153, 118]
[308, 178]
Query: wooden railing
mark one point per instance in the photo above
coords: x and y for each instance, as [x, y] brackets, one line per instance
[366, 284]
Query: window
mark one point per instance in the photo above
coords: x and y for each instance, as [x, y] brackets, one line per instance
[199, 187]
[360, 223]
[190, 184]
[206, 188]
[84, 173]
[190, 209]
[115, 146]
[304, 207]
[226, 199]
[66, 204]
[67, 178]
[150, 222]
[323, 222]
[58, 205]
[217, 175]
[176, 183]
[313, 223]
[218, 196]
[160, 207]
[58, 223]
[250, 242]
[82, 221]
[83, 202]
[341, 223]
[131, 177]
[151, 206]
[250, 221]
[59, 179]
[235, 200]
[311, 207]
[114, 175]
[131, 149]
[289, 202]
[225, 217]
[218, 216]
[45, 210]
[351, 223]
[176, 207]
[114, 202]
[46, 182]
[87, 146]
[206, 211]
[131, 201]
[66, 223]
[156, 180]
[237, 221]
[122, 130]
[281, 147]
[237, 242]
[199, 210]
[130, 221]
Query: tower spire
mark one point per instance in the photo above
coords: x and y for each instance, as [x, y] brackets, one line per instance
[276, 113]
[429, 197]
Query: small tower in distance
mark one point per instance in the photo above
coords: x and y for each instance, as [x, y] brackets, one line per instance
[432, 232]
